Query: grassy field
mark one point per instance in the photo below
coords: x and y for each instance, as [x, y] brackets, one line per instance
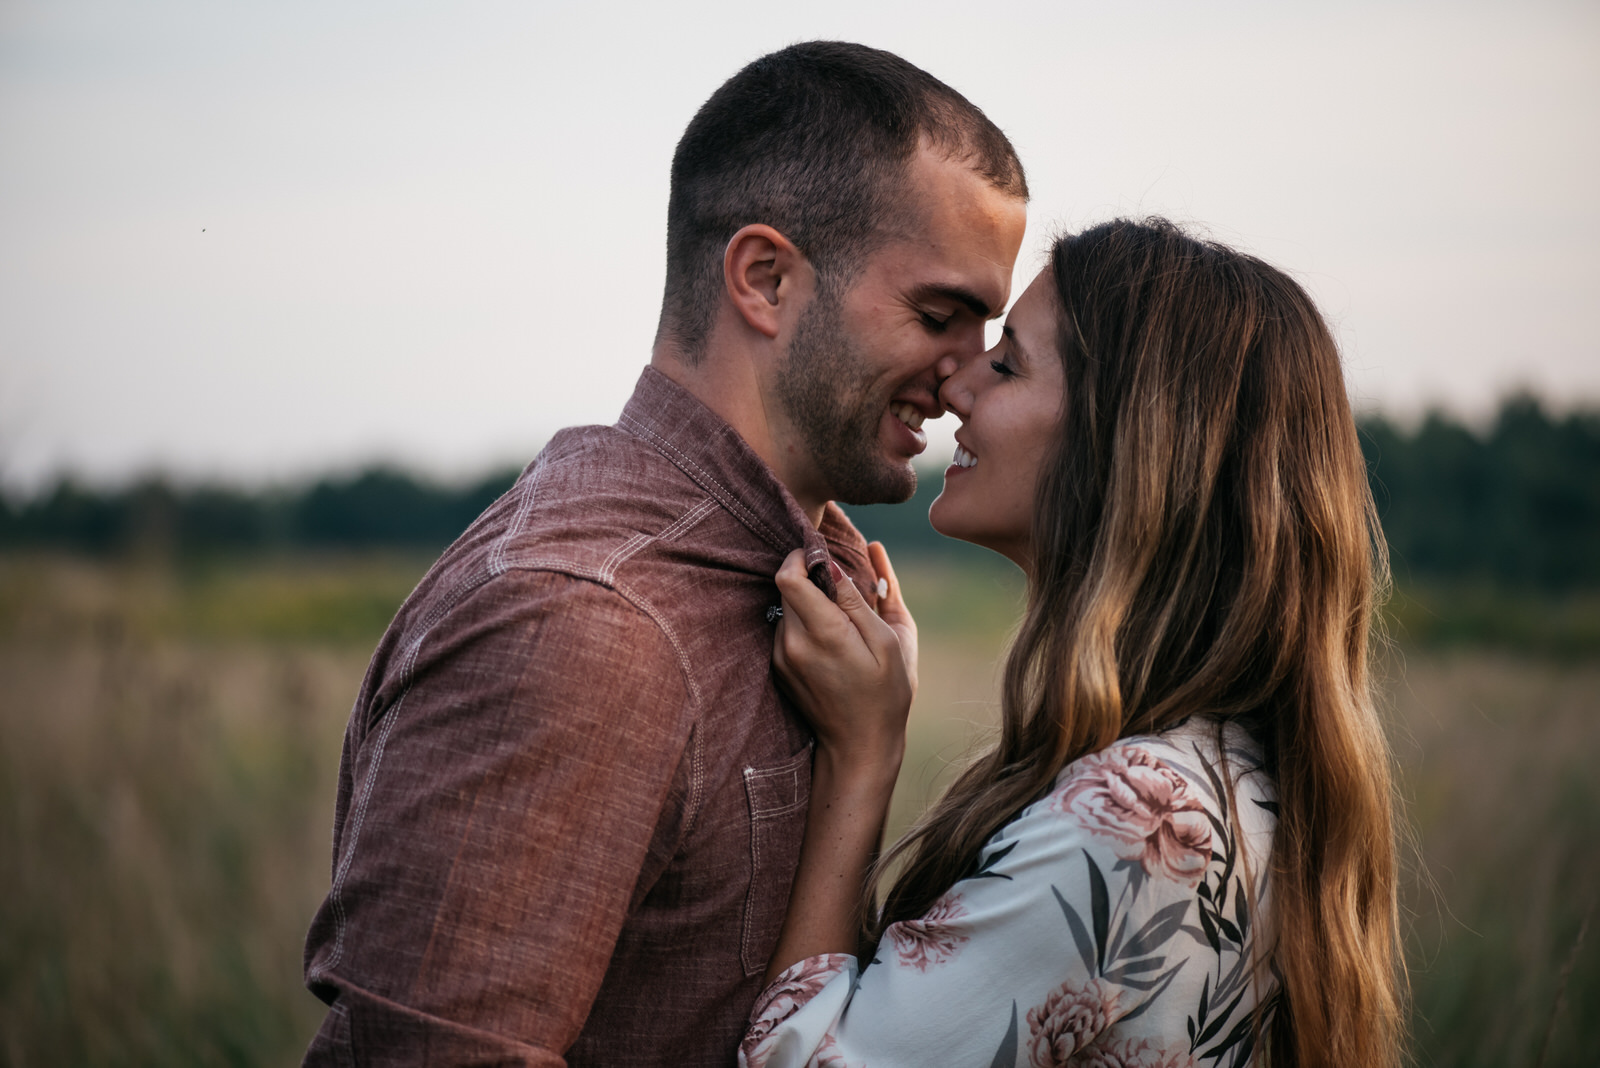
[169, 739]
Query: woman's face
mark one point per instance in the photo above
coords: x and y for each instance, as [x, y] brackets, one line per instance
[1009, 403]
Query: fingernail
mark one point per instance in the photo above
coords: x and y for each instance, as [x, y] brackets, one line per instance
[836, 571]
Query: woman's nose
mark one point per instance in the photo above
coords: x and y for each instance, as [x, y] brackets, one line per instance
[953, 392]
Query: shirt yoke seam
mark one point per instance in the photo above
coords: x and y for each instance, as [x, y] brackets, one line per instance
[630, 548]
[711, 485]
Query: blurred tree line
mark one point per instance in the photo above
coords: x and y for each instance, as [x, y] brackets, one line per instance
[1516, 506]
[378, 508]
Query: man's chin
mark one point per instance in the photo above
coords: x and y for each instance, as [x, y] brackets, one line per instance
[887, 485]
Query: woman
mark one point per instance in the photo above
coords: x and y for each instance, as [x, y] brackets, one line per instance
[1180, 850]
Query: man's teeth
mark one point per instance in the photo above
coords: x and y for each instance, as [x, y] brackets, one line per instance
[965, 458]
[907, 414]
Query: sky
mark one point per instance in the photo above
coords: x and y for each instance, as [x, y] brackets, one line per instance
[263, 241]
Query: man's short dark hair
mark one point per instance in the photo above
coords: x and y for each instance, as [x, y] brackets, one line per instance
[814, 141]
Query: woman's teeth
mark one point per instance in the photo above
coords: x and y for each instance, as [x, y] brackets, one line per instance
[965, 458]
[907, 414]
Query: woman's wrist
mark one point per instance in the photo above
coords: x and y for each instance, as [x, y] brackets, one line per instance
[866, 770]
[850, 792]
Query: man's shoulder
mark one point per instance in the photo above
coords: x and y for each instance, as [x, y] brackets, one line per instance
[589, 460]
[550, 619]
[593, 497]
[590, 489]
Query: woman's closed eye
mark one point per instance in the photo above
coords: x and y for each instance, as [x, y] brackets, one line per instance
[1001, 368]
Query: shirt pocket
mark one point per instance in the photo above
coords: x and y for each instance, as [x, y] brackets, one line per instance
[777, 797]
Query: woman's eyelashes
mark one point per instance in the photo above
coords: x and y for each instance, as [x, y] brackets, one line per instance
[1002, 368]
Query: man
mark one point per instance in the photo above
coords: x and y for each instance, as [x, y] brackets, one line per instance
[571, 798]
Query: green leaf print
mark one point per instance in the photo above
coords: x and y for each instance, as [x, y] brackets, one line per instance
[985, 869]
[1100, 911]
[1080, 934]
[1162, 926]
[1006, 1055]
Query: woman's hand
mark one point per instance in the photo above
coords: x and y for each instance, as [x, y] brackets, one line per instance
[851, 671]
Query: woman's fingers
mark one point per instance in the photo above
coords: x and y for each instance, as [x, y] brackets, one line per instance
[832, 625]
[801, 598]
[844, 637]
[795, 645]
[843, 667]
[861, 615]
[792, 573]
[892, 607]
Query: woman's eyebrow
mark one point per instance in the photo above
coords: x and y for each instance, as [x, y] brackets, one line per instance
[1011, 336]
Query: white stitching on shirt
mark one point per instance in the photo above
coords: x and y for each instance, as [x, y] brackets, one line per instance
[688, 520]
[697, 780]
[368, 784]
[497, 554]
[629, 548]
[622, 552]
[336, 891]
[712, 486]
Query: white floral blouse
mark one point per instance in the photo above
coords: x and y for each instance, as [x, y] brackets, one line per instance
[1111, 924]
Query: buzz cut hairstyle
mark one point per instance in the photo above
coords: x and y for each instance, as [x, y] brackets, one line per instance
[815, 141]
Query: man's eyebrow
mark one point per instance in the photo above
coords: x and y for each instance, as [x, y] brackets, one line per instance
[974, 303]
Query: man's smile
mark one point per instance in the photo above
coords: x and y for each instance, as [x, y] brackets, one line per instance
[908, 414]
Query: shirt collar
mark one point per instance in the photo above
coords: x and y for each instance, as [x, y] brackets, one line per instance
[713, 455]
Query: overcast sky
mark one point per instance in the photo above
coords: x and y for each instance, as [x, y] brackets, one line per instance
[261, 240]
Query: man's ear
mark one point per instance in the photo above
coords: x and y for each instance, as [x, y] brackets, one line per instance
[764, 274]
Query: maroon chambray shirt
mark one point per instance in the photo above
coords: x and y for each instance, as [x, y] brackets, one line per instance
[571, 798]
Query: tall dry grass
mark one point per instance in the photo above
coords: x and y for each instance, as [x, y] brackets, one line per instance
[1498, 758]
[166, 782]
[169, 739]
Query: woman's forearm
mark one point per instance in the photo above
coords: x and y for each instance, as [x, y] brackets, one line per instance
[844, 829]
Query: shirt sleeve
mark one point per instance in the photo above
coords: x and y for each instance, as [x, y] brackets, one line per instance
[511, 799]
[1082, 912]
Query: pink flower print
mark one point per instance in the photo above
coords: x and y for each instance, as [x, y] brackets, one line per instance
[1070, 1018]
[1144, 808]
[930, 940]
[1132, 1053]
[790, 991]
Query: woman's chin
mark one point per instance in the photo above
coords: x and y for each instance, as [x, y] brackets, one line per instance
[944, 516]
[939, 516]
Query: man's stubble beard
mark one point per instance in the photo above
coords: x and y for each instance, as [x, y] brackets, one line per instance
[822, 388]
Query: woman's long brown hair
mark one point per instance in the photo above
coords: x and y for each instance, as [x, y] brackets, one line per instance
[1204, 541]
